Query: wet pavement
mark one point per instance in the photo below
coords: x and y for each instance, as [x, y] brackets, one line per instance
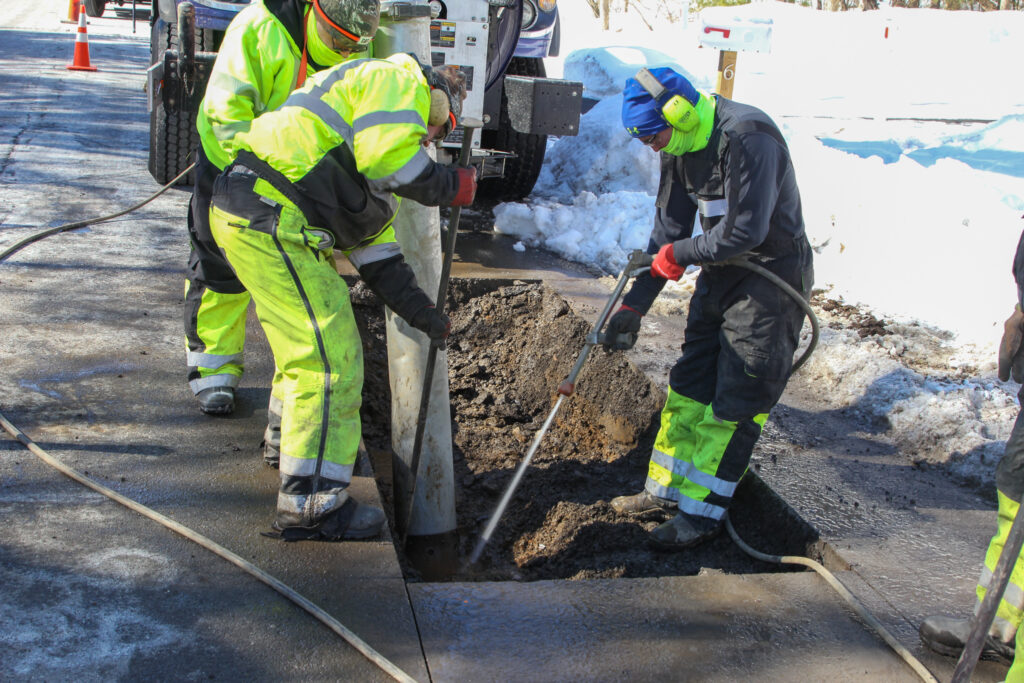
[93, 371]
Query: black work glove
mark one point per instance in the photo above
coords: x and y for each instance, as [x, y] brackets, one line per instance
[621, 332]
[433, 323]
[1011, 352]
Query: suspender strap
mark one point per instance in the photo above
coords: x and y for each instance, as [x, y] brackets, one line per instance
[279, 182]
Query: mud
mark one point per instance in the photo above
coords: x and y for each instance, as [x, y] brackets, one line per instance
[512, 343]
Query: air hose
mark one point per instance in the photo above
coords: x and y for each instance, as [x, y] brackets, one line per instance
[830, 578]
[287, 591]
[215, 548]
[18, 246]
[862, 612]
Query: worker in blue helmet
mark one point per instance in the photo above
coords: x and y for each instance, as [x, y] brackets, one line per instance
[727, 164]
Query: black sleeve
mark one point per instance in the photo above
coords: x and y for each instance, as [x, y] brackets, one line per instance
[436, 185]
[394, 282]
[754, 171]
[673, 220]
[1018, 271]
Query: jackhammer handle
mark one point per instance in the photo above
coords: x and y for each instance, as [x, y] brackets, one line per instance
[639, 261]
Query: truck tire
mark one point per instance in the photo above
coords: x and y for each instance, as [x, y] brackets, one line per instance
[520, 173]
[94, 8]
[172, 134]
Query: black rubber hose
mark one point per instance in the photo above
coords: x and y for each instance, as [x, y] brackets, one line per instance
[18, 246]
[743, 262]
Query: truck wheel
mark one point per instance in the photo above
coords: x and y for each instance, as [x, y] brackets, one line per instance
[94, 8]
[172, 134]
[520, 173]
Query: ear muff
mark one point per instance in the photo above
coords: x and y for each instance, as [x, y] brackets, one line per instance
[680, 114]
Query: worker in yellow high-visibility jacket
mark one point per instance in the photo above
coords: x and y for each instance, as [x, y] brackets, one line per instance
[268, 50]
[320, 175]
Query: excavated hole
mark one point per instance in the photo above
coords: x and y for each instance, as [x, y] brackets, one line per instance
[512, 343]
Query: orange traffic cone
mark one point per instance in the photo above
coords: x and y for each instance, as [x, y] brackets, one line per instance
[81, 62]
[72, 12]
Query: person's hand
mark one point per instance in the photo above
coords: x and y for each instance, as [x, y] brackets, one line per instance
[467, 186]
[433, 323]
[621, 332]
[665, 265]
[1011, 359]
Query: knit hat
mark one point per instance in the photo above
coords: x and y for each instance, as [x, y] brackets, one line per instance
[641, 115]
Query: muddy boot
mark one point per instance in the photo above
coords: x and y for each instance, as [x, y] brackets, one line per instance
[216, 400]
[684, 531]
[949, 636]
[328, 515]
[272, 435]
[641, 502]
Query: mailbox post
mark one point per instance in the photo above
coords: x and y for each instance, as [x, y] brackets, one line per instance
[730, 35]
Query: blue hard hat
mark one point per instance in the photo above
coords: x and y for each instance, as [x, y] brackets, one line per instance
[641, 115]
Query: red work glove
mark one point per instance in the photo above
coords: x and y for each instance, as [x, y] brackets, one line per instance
[665, 265]
[467, 186]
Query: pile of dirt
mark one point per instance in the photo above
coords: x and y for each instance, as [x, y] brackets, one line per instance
[512, 344]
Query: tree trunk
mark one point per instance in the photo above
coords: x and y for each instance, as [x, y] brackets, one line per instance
[605, 11]
[595, 8]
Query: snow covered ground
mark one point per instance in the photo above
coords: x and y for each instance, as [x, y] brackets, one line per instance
[908, 140]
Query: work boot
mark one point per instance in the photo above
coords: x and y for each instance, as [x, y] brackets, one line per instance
[216, 400]
[641, 502]
[684, 531]
[328, 515]
[948, 636]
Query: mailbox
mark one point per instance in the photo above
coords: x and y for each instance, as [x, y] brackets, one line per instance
[735, 34]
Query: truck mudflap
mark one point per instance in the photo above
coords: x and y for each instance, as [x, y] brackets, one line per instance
[544, 106]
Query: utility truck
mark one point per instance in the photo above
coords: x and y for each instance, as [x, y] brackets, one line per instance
[499, 44]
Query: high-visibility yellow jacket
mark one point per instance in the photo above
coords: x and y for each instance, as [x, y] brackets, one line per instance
[340, 146]
[257, 67]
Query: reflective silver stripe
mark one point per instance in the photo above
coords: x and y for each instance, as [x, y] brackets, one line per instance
[196, 359]
[1003, 630]
[339, 73]
[313, 506]
[685, 503]
[383, 118]
[1013, 595]
[689, 471]
[712, 208]
[198, 385]
[409, 172]
[227, 131]
[375, 252]
[228, 83]
[310, 102]
[306, 467]
[276, 407]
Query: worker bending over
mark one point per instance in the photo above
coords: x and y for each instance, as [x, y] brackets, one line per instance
[949, 636]
[314, 176]
[268, 50]
[727, 163]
